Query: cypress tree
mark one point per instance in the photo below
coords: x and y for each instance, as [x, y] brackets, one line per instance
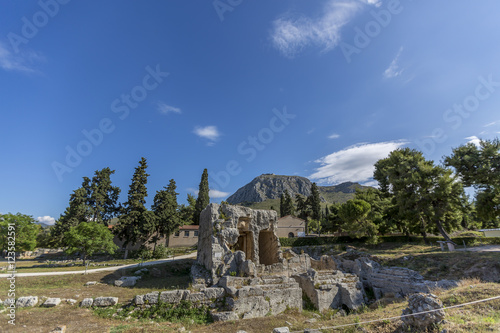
[136, 222]
[203, 196]
[166, 212]
[289, 207]
[315, 203]
[282, 205]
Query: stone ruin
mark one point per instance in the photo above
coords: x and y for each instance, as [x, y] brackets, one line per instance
[241, 271]
[238, 250]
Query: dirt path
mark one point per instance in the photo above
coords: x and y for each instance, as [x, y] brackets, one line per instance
[96, 270]
[485, 248]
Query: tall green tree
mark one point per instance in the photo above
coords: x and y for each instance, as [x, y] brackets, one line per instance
[282, 204]
[187, 211]
[136, 222]
[303, 210]
[103, 197]
[88, 238]
[479, 166]
[24, 232]
[75, 213]
[314, 202]
[427, 197]
[95, 200]
[286, 204]
[165, 208]
[203, 196]
[334, 221]
[380, 212]
[354, 213]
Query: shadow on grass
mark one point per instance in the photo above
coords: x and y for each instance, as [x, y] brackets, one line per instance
[170, 275]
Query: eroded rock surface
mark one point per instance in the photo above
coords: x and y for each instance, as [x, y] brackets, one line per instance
[428, 303]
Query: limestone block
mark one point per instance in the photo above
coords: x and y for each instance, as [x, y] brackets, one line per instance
[51, 302]
[224, 316]
[127, 281]
[105, 301]
[27, 301]
[174, 296]
[152, 298]
[87, 302]
[423, 302]
[214, 292]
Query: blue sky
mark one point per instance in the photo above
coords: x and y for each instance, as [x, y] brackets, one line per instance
[318, 89]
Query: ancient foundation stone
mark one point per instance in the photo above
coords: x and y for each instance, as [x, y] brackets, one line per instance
[105, 301]
[27, 301]
[420, 303]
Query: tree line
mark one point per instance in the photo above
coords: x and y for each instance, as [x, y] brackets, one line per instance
[415, 196]
[85, 226]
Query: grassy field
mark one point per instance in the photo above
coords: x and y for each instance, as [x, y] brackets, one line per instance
[29, 265]
[483, 317]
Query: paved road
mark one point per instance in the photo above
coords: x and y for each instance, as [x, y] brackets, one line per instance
[97, 270]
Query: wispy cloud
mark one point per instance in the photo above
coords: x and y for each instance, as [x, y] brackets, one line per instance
[311, 131]
[210, 133]
[376, 3]
[290, 35]
[493, 123]
[166, 109]
[355, 163]
[393, 70]
[474, 140]
[46, 219]
[212, 193]
[21, 62]
[334, 136]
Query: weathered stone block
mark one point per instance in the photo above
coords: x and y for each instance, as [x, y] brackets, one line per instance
[105, 301]
[87, 302]
[174, 296]
[27, 301]
[127, 281]
[214, 292]
[51, 302]
[224, 316]
[151, 298]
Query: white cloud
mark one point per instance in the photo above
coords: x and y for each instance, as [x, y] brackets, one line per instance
[372, 183]
[334, 136]
[376, 3]
[46, 219]
[393, 70]
[493, 123]
[217, 194]
[17, 62]
[210, 133]
[290, 35]
[165, 109]
[355, 163]
[473, 139]
[214, 194]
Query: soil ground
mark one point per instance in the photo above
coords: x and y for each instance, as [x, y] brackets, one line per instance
[428, 260]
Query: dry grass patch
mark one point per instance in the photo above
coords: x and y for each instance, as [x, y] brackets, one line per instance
[174, 275]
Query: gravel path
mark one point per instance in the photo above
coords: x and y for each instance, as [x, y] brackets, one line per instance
[484, 248]
[96, 270]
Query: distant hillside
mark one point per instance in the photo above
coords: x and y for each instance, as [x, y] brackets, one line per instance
[270, 186]
[264, 191]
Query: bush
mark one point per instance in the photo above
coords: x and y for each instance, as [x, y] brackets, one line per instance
[142, 253]
[160, 252]
[314, 241]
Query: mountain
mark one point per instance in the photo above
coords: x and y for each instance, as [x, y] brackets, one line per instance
[265, 190]
[270, 186]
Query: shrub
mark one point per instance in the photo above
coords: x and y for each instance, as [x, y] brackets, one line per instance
[160, 252]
